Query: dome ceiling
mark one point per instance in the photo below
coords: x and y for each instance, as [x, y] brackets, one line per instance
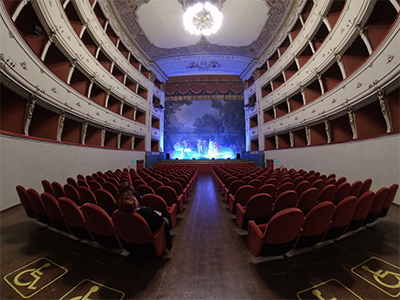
[156, 29]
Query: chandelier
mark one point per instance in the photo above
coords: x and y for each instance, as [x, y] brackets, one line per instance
[202, 19]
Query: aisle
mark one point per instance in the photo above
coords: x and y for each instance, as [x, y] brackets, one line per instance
[209, 259]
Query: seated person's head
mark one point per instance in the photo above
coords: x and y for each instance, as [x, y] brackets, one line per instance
[128, 202]
[125, 186]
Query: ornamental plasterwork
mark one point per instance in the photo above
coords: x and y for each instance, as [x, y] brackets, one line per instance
[126, 11]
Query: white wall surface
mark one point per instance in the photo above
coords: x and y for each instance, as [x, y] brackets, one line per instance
[27, 162]
[376, 158]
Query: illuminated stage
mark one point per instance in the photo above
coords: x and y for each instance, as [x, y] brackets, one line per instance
[205, 165]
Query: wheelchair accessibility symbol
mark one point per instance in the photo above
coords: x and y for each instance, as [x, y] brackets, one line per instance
[328, 290]
[381, 274]
[32, 278]
[90, 290]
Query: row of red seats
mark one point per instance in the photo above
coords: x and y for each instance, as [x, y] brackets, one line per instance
[321, 218]
[92, 218]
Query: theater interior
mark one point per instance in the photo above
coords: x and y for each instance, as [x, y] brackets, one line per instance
[264, 132]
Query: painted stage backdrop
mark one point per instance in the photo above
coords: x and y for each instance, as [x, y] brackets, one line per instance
[204, 129]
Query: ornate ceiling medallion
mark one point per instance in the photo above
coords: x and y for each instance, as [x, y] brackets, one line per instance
[202, 19]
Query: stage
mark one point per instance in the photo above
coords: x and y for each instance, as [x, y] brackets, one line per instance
[205, 165]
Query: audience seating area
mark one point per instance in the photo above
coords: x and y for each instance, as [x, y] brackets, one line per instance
[86, 207]
[297, 209]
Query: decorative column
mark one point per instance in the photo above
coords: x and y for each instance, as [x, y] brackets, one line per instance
[308, 135]
[30, 107]
[84, 131]
[61, 120]
[364, 37]
[119, 140]
[328, 130]
[352, 122]
[103, 136]
[385, 109]
[276, 142]
[291, 138]
[341, 65]
[133, 143]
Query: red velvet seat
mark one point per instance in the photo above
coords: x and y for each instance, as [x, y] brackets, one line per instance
[47, 187]
[72, 193]
[278, 236]
[95, 185]
[287, 186]
[377, 205]
[100, 225]
[113, 181]
[342, 217]
[184, 185]
[170, 197]
[164, 180]
[364, 203]
[155, 184]
[258, 209]
[178, 189]
[53, 211]
[158, 203]
[72, 182]
[135, 235]
[144, 190]
[355, 189]
[58, 190]
[302, 186]
[106, 201]
[318, 184]
[100, 180]
[26, 204]
[269, 189]
[342, 191]
[245, 179]
[330, 181]
[340, 181]
[256, 184]
[138, 182]
[226, 184]
[388, 200]
[82, 182]
[327, 193]
[366, 185]
[37, 206]
[233, 187]
[111, 188]
[315, 225]
[242, 195]
[307, 200]
[74, 218]
[285, 200]
[86, 195]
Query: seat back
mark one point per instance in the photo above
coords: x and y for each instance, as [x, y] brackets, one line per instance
[364, 203]
[344, 212]
[72, 193]
[307, 200]
[318, 219]
[355, 188]
[101, 180]
[340, 181]
[156, 202]
[244, 193]
[330, 181]
[47, 187]
[58, 190]
[82, 182]
[285, 200]
[94, 185]
[327, 193]
[114, 181]
[138, 182]
[302, 186]
[168, 194]
[72, 182]
[164, 180]
[145, 189]
[342, 191]
[23, 197]
[245, 179]
[284, 226]
[97, 220]
[259, 206]
[234, 186]
[176, 186]
[86, 195]
[318, 184]
[71, 213]
[106, 201]
[255, 183]
[155, 184]
[379, 199]
[111, 188]
[36, 202]
[366, 185]
[287, 186]
[50, 204]
[390, 196]
[131, 227]
[269, 189]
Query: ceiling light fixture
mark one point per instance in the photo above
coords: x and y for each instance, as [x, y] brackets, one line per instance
[202, 19]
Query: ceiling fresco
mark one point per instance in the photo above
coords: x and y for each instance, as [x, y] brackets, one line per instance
[155, 28]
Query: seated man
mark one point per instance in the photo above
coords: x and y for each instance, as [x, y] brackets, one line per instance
[129, 203]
